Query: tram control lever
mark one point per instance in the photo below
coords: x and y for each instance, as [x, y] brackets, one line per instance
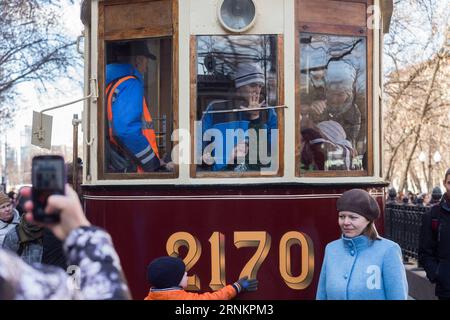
[245, 109]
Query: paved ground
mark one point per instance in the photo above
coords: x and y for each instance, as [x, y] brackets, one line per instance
[419, 286]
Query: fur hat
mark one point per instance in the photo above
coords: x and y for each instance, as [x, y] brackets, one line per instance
[248, 73]
[166, 272]
[359, 201]
[4, 198]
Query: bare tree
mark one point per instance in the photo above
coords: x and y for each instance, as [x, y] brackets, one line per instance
[32, 48]
[416, 87]
[424, 117]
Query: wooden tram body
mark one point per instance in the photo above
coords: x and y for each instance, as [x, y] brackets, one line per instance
[227, 224]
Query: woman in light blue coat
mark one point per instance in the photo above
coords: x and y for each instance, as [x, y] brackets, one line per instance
[361, 265]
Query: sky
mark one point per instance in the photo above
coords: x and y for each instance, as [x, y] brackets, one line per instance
[64, 91]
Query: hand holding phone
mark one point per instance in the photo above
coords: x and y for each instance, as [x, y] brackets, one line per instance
[71, 213]
[48, 178]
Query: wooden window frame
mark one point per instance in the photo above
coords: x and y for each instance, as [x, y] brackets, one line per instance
[280, 113]
[134, 34]
[335, 30]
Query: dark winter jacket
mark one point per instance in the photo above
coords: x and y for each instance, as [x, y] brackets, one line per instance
[178, 293]
[53, 253]
[434, 249]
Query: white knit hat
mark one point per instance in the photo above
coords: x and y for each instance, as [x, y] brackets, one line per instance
[335, 135]
[248, 73]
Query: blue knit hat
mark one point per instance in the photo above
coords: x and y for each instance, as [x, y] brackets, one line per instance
[166, 272]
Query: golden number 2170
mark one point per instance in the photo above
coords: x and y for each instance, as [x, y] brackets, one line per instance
[259, 239]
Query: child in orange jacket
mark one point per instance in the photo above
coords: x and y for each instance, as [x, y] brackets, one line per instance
[169, 279]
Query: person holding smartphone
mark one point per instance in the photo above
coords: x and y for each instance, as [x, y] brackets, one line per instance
[91, 257]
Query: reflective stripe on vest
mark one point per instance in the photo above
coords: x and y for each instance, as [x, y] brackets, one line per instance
[147, 126]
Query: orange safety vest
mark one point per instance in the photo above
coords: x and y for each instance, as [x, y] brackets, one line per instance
[147, 122]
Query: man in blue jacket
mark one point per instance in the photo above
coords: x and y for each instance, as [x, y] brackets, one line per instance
[222, 115]
[131, 142]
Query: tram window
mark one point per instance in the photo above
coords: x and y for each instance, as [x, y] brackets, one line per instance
[237, 120]
[333, 104]
[138, 106]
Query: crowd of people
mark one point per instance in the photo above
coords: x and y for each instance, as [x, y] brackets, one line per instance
[360, 265]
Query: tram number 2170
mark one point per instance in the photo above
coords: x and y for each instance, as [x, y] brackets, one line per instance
[259, 239]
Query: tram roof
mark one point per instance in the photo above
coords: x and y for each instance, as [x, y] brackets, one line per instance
[386, 7]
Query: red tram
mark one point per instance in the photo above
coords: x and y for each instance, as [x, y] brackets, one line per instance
[318, 63]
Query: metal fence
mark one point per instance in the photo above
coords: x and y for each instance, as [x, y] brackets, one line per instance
[403, 221]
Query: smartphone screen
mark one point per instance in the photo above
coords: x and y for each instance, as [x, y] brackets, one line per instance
[48, 178]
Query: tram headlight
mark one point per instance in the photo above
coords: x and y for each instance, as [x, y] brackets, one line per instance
[237, 15]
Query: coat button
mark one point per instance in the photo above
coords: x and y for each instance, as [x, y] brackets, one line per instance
[346, 276]
[352, 252]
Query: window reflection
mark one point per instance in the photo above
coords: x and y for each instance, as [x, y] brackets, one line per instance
[333, 102]
[138, 106]
[237, 123]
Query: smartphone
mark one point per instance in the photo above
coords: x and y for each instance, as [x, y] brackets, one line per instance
[48, 174]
